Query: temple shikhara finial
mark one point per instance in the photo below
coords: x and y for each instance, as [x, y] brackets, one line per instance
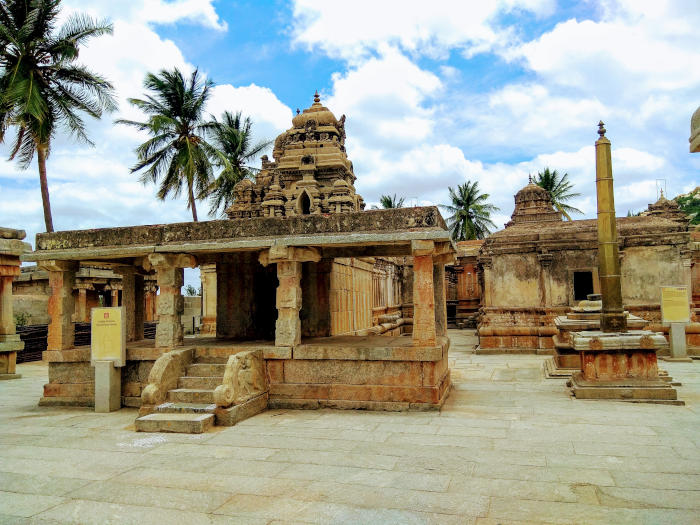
[317, 98]
[601, 129]
[529, 178]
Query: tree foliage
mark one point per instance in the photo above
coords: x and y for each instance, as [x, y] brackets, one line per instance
[559, 189]
[690, 205]
[177, 155]
[389, 201]
[42, 86]
[232, 137]
[471, 212]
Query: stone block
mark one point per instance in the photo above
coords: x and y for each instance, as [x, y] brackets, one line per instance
[230, 416]
[354, 372]
[275, 371]
[108, 387]
[74, 355]
[70, 390]
[77, 372]
[132, 389]
[298, 391]
[8, 361]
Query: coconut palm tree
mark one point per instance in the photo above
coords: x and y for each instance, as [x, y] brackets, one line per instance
[471, 213]
[559, 189]
[177, 153]
[42, 86]
[387, 201]
[232, 137]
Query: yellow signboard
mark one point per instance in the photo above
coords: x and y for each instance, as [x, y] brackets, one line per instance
[675, 307]
[108, 336]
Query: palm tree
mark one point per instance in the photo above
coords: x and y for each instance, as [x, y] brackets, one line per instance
[232, 137]
[471, 213]
[387, 201]
[559, 189]
[42, 87]
[177, 154]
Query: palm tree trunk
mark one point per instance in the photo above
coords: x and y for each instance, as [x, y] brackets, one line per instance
[42, 150]
[193, 205]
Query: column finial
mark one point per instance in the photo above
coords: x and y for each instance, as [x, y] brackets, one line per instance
[601, 129]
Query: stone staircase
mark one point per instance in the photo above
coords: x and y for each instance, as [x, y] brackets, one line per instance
[190, 407]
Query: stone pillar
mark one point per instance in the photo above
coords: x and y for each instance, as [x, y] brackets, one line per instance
[61, 303]
[133, 302]
[208, 276]
[169, 272]
[11, 247]
[288, 325]
[487, 280]
[288, 296]
[440, 299]
[115, 297]
[151, 296]
[82, 310]
[545, 260]
[423, 301]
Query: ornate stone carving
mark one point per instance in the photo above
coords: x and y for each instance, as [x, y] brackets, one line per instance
[310, 173]
[164, 376]
[244, 379]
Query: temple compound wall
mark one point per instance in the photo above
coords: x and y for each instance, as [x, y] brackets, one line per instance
[540, 266]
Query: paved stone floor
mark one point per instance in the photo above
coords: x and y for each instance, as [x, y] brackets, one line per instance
[508, 447]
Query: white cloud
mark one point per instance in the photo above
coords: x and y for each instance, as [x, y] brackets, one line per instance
[354, 31]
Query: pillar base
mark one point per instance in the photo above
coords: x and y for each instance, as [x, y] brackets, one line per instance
[629, 390]
[4, 377]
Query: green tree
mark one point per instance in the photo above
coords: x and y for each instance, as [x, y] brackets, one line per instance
[177, 154]
[42, 87]
[690, 205]
[559, 189]
[471, 213]
[232, 137]
[388, 201]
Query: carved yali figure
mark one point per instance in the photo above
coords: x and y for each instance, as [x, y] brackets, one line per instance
[244, 379]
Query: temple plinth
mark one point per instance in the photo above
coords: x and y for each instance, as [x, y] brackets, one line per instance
[615, 363]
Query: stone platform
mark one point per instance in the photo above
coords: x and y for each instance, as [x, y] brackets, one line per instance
[508, 446]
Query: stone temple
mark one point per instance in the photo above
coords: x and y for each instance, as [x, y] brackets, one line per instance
[317, 303]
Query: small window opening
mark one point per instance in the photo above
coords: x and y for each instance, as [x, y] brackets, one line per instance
[583, 285]
[304, 204]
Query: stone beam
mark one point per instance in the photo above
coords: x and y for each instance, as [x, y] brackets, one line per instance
[281, 253]
[422, 247]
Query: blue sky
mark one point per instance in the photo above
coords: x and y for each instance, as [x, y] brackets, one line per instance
[462, 90]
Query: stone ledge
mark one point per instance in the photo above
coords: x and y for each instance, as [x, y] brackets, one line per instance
[227, 417]
[367, 353]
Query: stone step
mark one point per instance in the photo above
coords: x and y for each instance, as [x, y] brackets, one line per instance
[209, 359]
[183, 423]
[206, 382]
[191, 395]
[186, 408]
[206, 370]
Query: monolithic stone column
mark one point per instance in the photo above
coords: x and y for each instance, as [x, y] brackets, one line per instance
[151, 296]
[82, 313]
[115, 297]
[440, 300]
[423, 294]
[545, 260]
[288, 325]
[132, 301]
[61, 303]
[208, 276]
[288, 296]
[11, 247]
[169, 272]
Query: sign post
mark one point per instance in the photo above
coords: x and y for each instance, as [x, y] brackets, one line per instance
[108, 355]
[675, 310]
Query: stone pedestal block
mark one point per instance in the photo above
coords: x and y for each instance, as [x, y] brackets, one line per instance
[621, 366]
[108, 387]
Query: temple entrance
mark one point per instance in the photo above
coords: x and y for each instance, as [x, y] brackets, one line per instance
[583, 285]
